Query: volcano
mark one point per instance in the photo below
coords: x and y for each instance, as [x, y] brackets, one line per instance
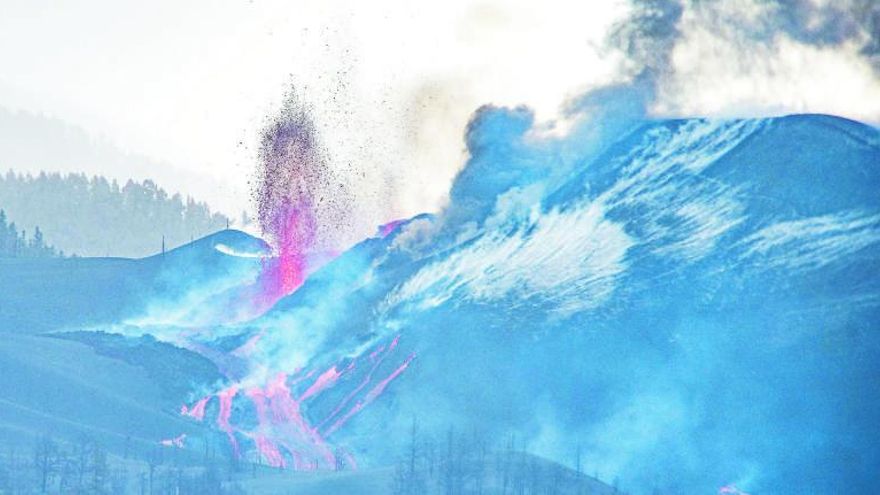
[688, 305]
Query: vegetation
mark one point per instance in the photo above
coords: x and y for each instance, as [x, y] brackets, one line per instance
[457, 464]
[15, 244]
[465, 464]
[97, 217]
[85, 467]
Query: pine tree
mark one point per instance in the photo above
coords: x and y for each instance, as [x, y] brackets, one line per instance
[79, 214]
[36, 245]
[4, 235]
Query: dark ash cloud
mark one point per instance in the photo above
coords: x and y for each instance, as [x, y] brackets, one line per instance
[649, 35]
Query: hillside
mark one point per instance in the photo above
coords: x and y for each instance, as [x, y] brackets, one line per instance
[685, 306]
[685, 302]
[123, 393]
[43, 295]
[104, 384]
[500, 472]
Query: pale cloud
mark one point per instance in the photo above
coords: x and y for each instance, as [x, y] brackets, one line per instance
[756, 58]
[718, 72]
[394, 83]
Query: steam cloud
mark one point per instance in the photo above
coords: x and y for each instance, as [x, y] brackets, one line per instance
[755, 57]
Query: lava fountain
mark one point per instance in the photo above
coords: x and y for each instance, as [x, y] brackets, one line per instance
[301, 204]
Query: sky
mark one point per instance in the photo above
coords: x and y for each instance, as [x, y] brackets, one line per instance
[392, 84]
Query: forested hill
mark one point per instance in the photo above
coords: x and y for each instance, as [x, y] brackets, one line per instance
[96, 217]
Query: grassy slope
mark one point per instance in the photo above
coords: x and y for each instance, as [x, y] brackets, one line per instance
[109, 388]
[65, 390]
[43, 295]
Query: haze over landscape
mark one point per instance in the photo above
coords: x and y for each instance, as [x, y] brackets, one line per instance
[178, 93]
[469, 248]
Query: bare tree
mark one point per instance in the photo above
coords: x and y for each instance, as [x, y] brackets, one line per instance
[154, 460]
[506, 464]
[45, 462]
[99, 470]
[409, 479]
[429, 453]
[534, 476]
[339, 460]
[479, 462]
[119, 481]
[412, 455]
[79, 462]
[5, 470]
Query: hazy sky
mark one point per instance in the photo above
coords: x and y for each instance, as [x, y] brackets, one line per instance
[392, 82]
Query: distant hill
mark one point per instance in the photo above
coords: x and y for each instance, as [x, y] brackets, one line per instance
[33, 142]
[97, 217]
[48, 294]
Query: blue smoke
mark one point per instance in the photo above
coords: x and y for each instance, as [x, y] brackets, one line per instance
[689, 303]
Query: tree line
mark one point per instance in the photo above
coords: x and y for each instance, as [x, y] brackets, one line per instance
[15, 244]
[98, 217]
[84, 466]
[467, 463]
[459, 463]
